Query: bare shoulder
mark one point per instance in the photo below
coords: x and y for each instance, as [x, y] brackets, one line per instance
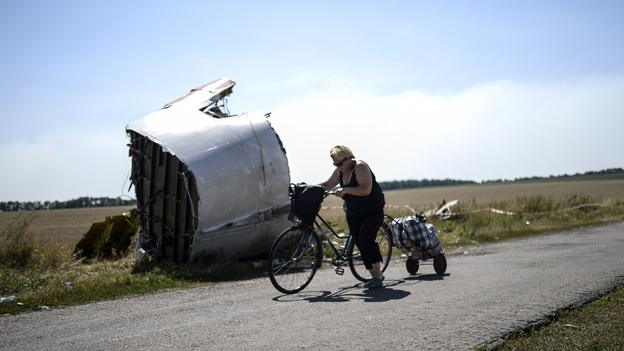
[361, 167]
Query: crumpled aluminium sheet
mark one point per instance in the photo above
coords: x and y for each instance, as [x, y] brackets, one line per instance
[240, 167]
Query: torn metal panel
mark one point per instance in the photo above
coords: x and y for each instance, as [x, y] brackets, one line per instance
[205, 180]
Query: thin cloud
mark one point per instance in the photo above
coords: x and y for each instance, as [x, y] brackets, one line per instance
[492, 130]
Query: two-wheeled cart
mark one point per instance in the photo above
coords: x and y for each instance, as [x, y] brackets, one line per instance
[419, 241]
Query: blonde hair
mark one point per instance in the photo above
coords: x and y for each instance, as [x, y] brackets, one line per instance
[340, 152]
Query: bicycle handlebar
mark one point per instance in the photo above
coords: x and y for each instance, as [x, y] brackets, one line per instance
[293, 186]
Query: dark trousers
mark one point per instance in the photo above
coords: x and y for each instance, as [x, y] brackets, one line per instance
[363, 228]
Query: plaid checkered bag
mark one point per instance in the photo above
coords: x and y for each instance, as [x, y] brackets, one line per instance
[414, 236]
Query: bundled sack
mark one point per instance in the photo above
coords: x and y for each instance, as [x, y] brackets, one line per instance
[305, 202]
[414, 236]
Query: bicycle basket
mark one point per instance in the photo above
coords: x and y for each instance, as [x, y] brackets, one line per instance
[305, 202]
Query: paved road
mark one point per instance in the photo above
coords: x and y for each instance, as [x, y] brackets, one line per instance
[489, 292]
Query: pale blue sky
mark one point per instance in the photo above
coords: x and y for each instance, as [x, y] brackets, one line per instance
[72, 67]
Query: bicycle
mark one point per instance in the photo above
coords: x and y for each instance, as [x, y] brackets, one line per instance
[297, 252]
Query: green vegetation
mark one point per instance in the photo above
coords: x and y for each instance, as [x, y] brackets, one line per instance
[598, 325]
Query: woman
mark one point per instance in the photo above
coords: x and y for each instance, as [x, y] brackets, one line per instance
[364, 202]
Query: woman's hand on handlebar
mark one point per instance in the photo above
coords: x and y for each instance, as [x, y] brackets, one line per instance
[339, 192]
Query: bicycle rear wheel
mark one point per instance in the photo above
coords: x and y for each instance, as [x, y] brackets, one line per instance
[293, 259]
[384, 240]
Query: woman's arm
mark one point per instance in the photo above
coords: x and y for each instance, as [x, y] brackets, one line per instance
[332, 181]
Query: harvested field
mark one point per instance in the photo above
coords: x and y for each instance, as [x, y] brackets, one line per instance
[64, 227]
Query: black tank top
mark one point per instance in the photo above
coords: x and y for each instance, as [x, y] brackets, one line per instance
[362, 204]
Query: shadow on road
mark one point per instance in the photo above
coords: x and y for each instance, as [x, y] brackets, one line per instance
[427, 277]
[355, 292]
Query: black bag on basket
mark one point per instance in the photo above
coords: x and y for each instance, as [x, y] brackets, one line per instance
[305, 202]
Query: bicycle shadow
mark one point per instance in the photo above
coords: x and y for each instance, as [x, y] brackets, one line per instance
[354, 292]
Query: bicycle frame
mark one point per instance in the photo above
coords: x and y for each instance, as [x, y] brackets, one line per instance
[340, 253]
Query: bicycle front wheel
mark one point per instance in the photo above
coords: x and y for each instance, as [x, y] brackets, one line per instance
[384, 240]
[293, 259]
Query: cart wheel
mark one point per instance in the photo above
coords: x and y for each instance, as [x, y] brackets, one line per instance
[439, 264]
[411, 265]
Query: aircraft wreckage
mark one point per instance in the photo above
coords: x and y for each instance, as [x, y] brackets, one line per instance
[207, 181]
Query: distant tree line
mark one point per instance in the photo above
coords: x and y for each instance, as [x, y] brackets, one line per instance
[607, 173]
[87, 201]
[423, 183]
[80, 202]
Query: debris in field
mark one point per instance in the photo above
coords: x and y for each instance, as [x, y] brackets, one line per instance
[5, 299]
[20, 304]
[43, 307]
[570, 326]
[207, 181]
[141, 257]
[448, 210]
[444, 211]
[108, 239]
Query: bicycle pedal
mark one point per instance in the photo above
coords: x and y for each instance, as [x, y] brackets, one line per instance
[339, 270]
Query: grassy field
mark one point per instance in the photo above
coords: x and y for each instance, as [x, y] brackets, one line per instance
[598, 325]
[35, 248]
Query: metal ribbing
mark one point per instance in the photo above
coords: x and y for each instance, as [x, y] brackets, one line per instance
[166, 198]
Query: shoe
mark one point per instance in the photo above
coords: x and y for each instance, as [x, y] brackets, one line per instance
[374, 283]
